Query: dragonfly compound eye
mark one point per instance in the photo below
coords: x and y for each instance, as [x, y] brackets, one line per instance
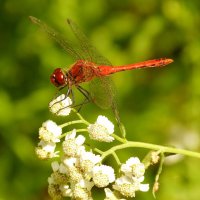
[58, 78]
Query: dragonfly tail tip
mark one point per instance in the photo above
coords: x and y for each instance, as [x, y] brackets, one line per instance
[169, 60]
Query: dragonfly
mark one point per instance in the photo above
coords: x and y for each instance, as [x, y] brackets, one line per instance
[90, 66]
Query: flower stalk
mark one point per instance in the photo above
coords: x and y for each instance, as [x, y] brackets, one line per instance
[163, 149]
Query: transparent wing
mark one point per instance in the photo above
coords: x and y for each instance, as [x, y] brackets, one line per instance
[102, 88]
[64, 43]
[91, 53]
[102, 92]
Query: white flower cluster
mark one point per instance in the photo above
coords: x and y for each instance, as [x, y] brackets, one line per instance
[49, 135]
[101, 130]
[78, 171]
[50, 132]
[132, 178]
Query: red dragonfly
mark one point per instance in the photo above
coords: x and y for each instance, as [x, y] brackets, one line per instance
[90, 66]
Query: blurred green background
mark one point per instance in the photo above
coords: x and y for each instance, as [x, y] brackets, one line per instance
[159, 106]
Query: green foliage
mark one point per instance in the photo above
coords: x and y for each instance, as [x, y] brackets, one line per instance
[156, 105]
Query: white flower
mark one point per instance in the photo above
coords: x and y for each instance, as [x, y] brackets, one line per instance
[65, 190]
[82, 190]
[127, 186]
[50, 132]
[46, 150]
[58, 167]
[86, 184]
[58, 180]
[134, 174]
[133, 167]
[72, 146]
[79, 140]
[59, 175]
[87, 161]
[101, 130]
[102, 120]
[103, 175]
[141, 187]
[54, 191]
[110, 195]
[75, 175]
[69, 161]
[61, 105]
[57, 191]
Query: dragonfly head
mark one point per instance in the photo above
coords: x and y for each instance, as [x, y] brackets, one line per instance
[58, 78]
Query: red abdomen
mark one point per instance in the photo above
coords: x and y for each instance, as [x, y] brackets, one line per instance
[106, 70]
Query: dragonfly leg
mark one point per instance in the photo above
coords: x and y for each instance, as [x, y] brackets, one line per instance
[85, 93]
[71, 94]
[69, 91]
[81, 104]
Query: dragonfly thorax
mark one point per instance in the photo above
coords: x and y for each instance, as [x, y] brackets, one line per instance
[58, 78]
[82, 71]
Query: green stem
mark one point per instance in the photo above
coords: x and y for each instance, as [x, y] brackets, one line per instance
[77, 130]
[163, 149]
[116, 158]
[155, 186]
[72, 122]
[98, 151]
[82, 130]
[122, 140]
[80, 117]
